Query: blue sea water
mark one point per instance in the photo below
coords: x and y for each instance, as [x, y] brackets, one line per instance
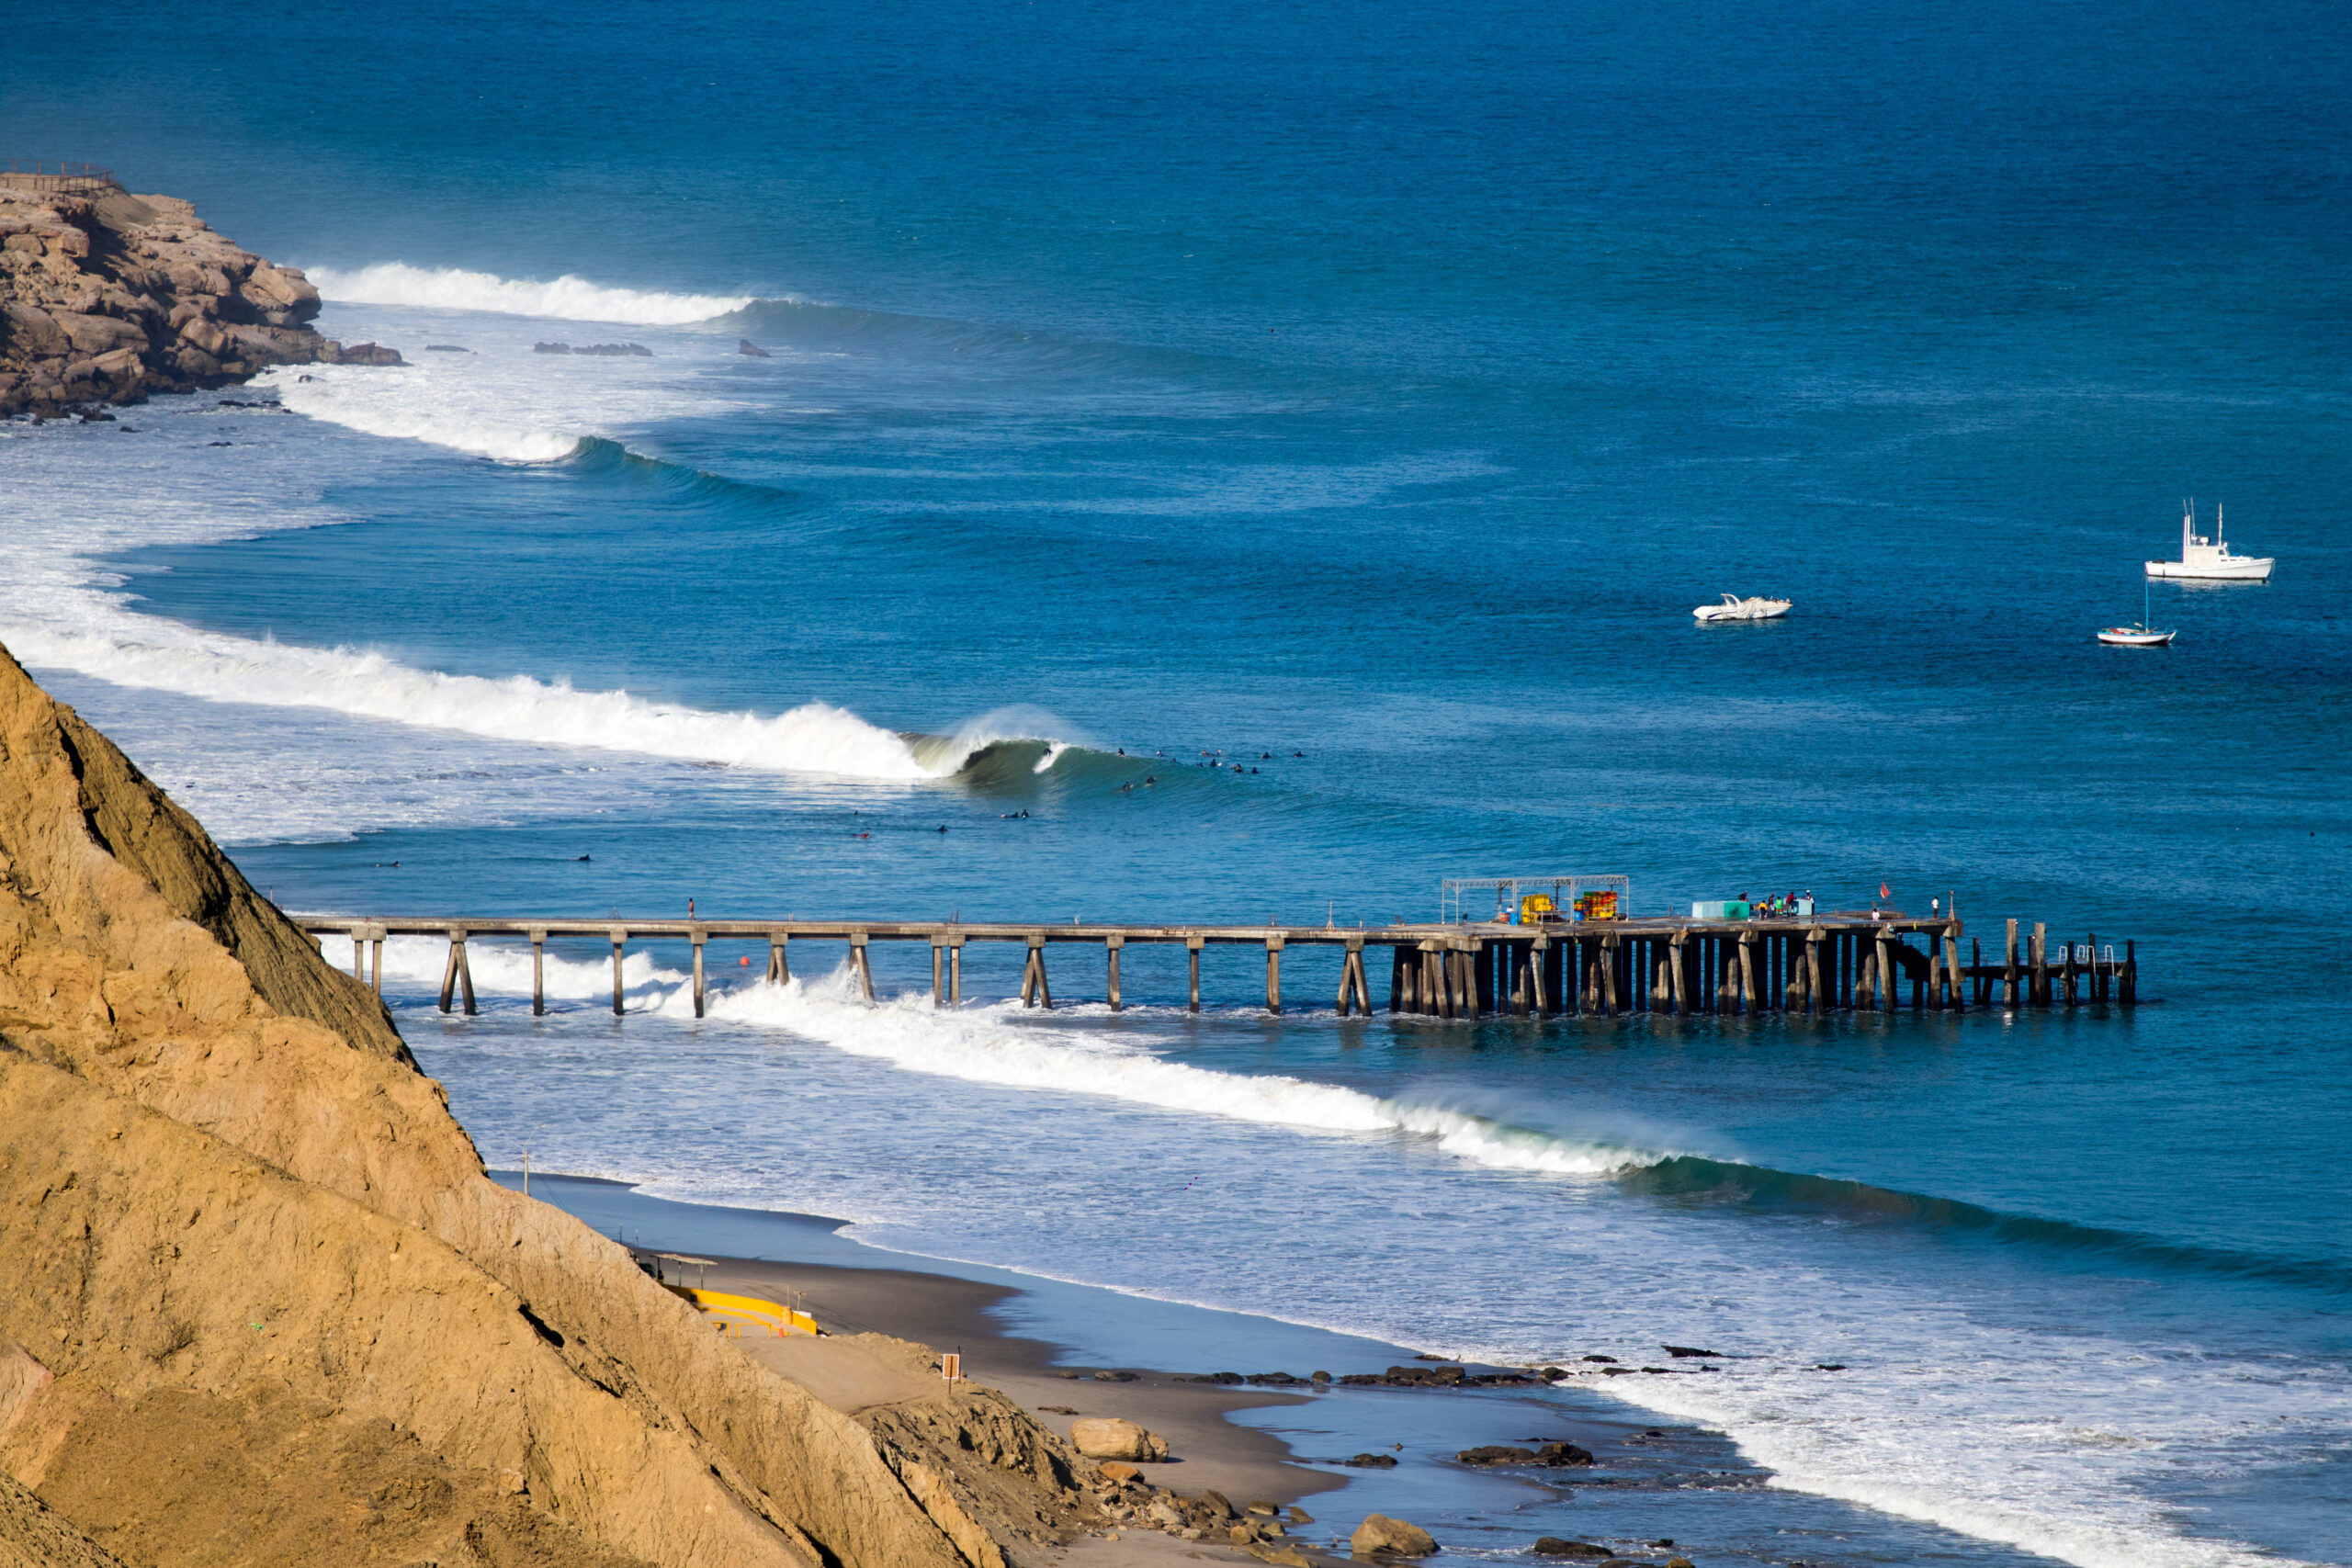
[1363, 395]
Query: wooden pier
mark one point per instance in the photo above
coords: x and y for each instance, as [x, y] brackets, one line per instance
[1463, 970]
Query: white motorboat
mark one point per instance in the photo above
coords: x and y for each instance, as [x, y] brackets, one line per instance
[2140, 636]
[1735, 608]
[2209, 560]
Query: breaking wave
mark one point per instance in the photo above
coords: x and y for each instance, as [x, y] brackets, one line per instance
[565, 298]
[983, 1044]
[813, 738]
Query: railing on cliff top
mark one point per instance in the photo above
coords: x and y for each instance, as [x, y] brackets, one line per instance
[57, 178]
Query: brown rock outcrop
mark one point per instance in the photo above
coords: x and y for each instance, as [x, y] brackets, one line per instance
[110, 298]
[259, 1301]
[1111, 1437]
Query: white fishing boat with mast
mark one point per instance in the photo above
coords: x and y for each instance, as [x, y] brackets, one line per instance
[2141, 636]
[2209, 560]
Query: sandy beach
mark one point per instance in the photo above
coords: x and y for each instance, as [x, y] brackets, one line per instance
[1043, 1344]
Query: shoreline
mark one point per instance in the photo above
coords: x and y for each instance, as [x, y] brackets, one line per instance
[854, 1288]
[1040, 1341]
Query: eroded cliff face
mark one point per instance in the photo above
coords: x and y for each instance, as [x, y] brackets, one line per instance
[108, 297]
[259, 1300]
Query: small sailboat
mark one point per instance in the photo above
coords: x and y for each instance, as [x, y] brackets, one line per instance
[2141, 636]
[2209, 560]
[1735, 608]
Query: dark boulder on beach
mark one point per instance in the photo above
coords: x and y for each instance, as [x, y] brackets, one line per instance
[1371, 1461]
[1554, 1546]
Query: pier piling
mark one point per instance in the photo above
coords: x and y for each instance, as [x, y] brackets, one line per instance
[697, 939]
[858, 966]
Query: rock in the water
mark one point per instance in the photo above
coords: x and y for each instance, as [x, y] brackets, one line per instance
[1371, 1461]
[1689, 1350]
[1111, 1437]
[1496, 1453]
[1379, 1533]
[1561, 1455]
[746, 346]
[370, 354]
[445, 348]
[1554, 1546]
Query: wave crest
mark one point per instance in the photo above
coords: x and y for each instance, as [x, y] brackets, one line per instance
[814, 737]
[565, 298]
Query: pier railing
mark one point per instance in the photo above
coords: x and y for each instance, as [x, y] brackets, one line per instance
[1602, 968]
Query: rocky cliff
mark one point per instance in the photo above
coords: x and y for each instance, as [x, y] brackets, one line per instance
[259, 1301]
[107, 298]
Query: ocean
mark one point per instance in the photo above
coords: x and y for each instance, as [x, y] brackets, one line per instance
[1247, 464]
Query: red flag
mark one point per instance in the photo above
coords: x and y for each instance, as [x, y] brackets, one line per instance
[1883, 892]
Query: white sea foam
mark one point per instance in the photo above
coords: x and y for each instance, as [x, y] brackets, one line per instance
[567, 298]
[502, 401]
[426, 402]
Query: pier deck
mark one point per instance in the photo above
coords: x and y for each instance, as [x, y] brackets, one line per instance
[1462, 970]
